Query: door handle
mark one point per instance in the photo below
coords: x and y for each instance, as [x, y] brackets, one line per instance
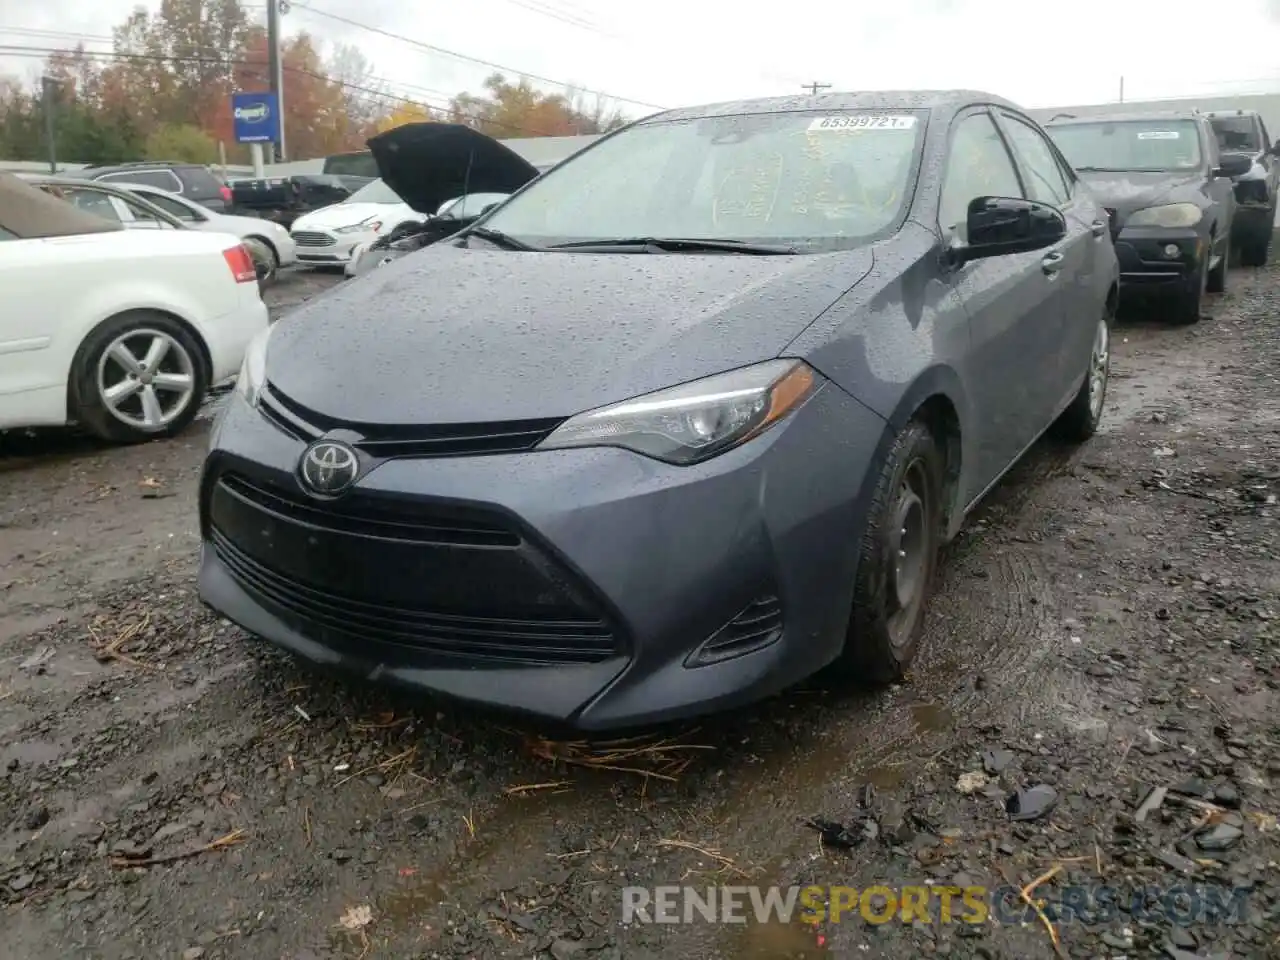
[1099, 227]
[1051, 263]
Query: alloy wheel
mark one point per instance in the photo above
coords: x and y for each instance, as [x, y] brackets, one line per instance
[1099, 368]
[146, 379]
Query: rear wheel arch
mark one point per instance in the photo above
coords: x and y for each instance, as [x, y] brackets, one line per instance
[266, 243]
[141, 313]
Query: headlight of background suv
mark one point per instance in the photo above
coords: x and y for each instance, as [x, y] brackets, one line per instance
[361, 227]
[253, 372]
[1169, 215]
[694, 421]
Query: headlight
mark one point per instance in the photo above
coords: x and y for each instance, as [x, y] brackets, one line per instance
[694, 421]
[1169, 215]
[361, 227]
[253, 372]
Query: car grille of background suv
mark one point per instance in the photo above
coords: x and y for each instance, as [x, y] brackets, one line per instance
[408, 440]
[312, 238]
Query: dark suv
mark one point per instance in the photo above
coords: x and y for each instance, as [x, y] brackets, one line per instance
[1169, 195]
[192, 180]
[1243, 132]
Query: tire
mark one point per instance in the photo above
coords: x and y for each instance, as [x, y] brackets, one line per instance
[1079, 422]
[265, 260]
[1186, 308]
[1216, 281]
[98, 367]
[884, 633]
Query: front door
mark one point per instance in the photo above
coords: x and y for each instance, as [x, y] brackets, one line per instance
[1014, 305]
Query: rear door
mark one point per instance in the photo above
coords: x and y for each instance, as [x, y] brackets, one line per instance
[1049, 181]
[1013, 302]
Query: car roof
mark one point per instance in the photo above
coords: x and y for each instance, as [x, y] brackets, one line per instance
[1121, 116]
[942, 102]
[61, 180]
[140, 165]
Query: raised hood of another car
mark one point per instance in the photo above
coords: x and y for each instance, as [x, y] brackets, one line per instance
[477, 335]
[429, 163]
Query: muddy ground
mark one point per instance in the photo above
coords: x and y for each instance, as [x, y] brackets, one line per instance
[1105, 625]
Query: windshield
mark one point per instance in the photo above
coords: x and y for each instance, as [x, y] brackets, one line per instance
[376, 192]
[1137, 145]
[1236, 135]
[812, 181]
[351, 164]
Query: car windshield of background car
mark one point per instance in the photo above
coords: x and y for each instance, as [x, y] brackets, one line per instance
[1153, 146]
[814, 181]
[1236, 134]
[376, 192]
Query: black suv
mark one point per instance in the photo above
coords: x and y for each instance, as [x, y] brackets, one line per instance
[1169, 195]
[1243, 132]
[192, 180]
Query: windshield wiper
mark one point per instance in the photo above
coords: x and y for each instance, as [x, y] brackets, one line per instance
[498, 239]
[681, 243]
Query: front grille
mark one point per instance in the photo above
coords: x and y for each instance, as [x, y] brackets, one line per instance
[358, 622]
[313, 238]
[755, 627]
[408, 440]
[408, 523]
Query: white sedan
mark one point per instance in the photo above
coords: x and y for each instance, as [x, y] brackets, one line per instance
[329, 236]
[272, 242]
[120, 331]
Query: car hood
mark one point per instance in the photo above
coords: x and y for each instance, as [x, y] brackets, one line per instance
[429, 163]
[456, 335]
[1131, 190]
[348, 214]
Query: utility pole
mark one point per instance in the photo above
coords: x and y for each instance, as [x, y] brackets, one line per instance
[814, 87]
[1122, 89]
[275, 67]
[48, 97]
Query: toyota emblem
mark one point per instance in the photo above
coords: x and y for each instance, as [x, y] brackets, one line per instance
[328, 468]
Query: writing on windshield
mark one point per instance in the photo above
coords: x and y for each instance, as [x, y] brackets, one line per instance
[809, 180]
[1137, 145]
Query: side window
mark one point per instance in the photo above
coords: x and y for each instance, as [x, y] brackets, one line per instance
[93, 201]
[1044, 177]
[169, 205]
[6, 235]
[160, 179]
[978, 165]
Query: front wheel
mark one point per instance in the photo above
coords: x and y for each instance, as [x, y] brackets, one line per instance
[1080, 420]
[1216, 282]
[1186, 308]
[899, 555]
[138, 376]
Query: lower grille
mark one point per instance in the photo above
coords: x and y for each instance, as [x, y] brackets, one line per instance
[408, 440]
[312, 238]
[358, 622]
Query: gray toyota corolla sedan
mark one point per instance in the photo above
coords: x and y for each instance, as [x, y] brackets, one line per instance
[679, 423]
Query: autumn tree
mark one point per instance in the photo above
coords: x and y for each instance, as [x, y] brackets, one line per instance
[406, 112]
[519, 109]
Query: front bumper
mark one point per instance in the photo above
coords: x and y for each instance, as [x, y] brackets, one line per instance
[1145, 260]
[326, 246]
[572, 586]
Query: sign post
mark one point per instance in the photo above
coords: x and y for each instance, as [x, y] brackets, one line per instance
[255, 120]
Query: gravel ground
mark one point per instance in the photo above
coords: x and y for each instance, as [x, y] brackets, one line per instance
[1105, 628]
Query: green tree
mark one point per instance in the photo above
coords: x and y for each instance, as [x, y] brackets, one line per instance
[184, 142]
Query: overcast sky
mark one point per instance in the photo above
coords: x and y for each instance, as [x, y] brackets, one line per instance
[673, 52]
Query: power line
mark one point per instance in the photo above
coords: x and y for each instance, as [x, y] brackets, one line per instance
[43, 53]
[431, 48]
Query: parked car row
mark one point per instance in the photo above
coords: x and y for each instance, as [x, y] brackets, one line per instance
[1183, 190]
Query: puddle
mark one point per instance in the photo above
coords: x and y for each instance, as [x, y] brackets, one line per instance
[931, 717]
[780, 941]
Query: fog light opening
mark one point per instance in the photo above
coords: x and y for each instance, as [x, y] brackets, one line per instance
[1172, 251]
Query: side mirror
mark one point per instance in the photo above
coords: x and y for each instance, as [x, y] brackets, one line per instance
[997, 226]
[1233, 165]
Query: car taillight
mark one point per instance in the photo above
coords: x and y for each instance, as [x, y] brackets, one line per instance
[241, 263]
[226, 193]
